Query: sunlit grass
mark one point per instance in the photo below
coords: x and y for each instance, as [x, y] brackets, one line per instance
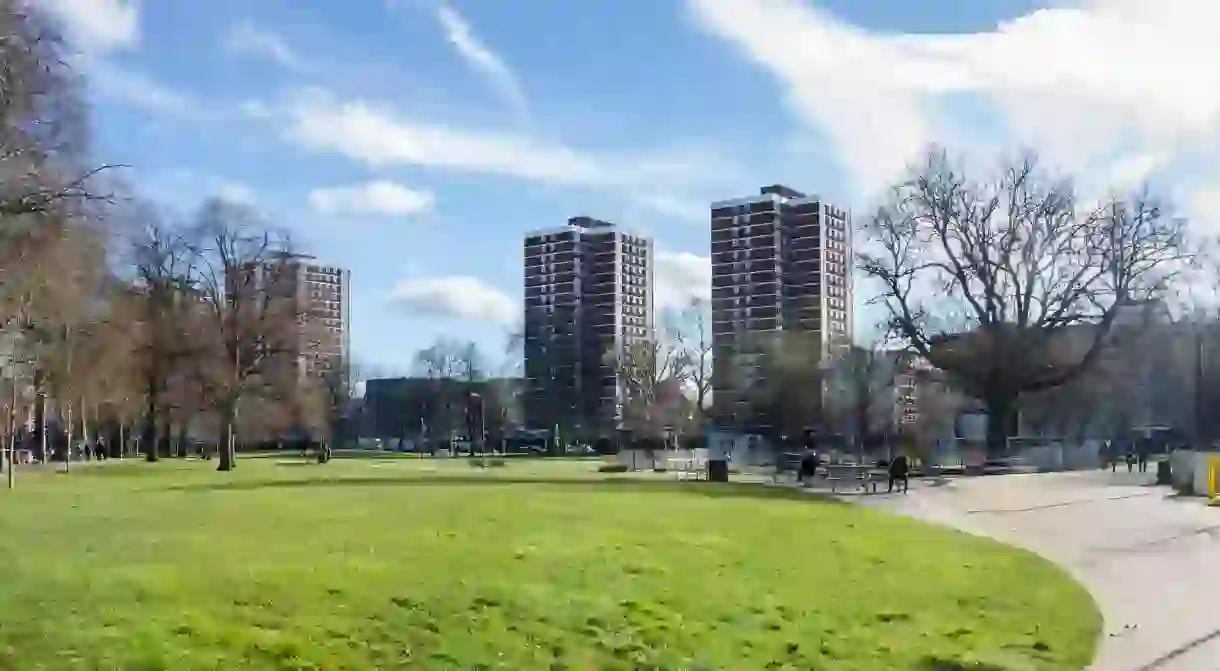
[437, 565]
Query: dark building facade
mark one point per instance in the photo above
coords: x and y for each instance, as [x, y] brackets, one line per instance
[781, 262]
[440, 409]
[588, 293]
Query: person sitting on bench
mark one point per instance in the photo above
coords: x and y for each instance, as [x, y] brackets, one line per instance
[899, 470]
[809, 467]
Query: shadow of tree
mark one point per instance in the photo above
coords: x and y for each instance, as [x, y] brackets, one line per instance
[937, 663]
[714, 490]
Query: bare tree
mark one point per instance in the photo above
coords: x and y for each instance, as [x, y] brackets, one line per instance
[862, 392]
[937, 405]
[339, 395]
[43, 134]
[120, 348]
[650, 377]
[1010, 285]
[471, 372]
[694, 338]
[247, 283]
[164, 296]
[441, 364]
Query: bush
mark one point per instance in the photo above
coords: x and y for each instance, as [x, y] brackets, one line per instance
[612, 468]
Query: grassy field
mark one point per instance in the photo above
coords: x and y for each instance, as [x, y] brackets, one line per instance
[363, 564]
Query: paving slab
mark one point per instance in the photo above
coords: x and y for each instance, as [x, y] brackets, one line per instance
[1151, 559]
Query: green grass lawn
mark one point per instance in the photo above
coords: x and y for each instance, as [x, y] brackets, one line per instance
[373, 564]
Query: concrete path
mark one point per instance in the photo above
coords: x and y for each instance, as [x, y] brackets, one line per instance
[1151, 560]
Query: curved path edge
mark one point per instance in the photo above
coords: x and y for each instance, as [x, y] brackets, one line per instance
[1151, 560]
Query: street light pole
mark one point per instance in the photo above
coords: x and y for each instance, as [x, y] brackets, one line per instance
[1198, 387]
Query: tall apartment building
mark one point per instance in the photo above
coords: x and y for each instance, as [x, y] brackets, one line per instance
[588, 294]
[326, 291]
[781, 262]
[322, 296]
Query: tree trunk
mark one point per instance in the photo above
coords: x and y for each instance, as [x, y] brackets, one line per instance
[150, 429]
[183, 439]
[149, 441]
[40, 419]
[999, 413]
[12, 440]
[68, 448]
[228, 437]
[84, 426]
[44, 440]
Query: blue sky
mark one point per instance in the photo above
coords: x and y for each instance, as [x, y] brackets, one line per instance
[415, 141]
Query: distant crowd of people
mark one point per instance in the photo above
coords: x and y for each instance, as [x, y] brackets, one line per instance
[1133, 453]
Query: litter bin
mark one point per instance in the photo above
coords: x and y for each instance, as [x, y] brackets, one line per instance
[1164, 473]
[718, 470]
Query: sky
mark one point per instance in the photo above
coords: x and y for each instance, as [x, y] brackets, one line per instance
[416, 141]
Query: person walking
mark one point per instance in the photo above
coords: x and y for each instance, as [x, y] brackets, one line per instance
[1130, 460]
[899, 471]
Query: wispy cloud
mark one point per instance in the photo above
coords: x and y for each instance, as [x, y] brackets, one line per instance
[1064, 80]
[182, 189]
[98, 26]
[378, 137]
[136, 89]
[247, 39]
[481, 58]
[681, 277]
[376, 198]
[236, 192]
[457, 297]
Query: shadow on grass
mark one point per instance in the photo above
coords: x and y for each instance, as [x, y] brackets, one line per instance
[935, 663]
[710, 490]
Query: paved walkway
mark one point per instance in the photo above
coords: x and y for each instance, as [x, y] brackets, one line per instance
[1151, 560]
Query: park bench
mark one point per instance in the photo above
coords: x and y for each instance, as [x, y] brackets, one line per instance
[787, 466]
[838, 473]
[864, 478]
[687, 468]
[875, 477]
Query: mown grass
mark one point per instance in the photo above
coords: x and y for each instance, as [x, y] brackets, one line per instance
[538, 565]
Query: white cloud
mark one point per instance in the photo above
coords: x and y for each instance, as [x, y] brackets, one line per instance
[380, 197]
[98, 26]
[481, 58]
[184, 188]
[235, 192]
[1108, 80]
[672, 207]
[138, 90]
[247, 39]
[461, 297]
[1203, 205]
[679, 278]
[378, 138]
[256, 109]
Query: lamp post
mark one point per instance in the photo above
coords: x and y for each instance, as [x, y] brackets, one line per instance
[1198, 418]
[476, 398]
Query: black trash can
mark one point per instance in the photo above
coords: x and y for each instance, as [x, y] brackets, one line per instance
[717, 470]
[1164, 473]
